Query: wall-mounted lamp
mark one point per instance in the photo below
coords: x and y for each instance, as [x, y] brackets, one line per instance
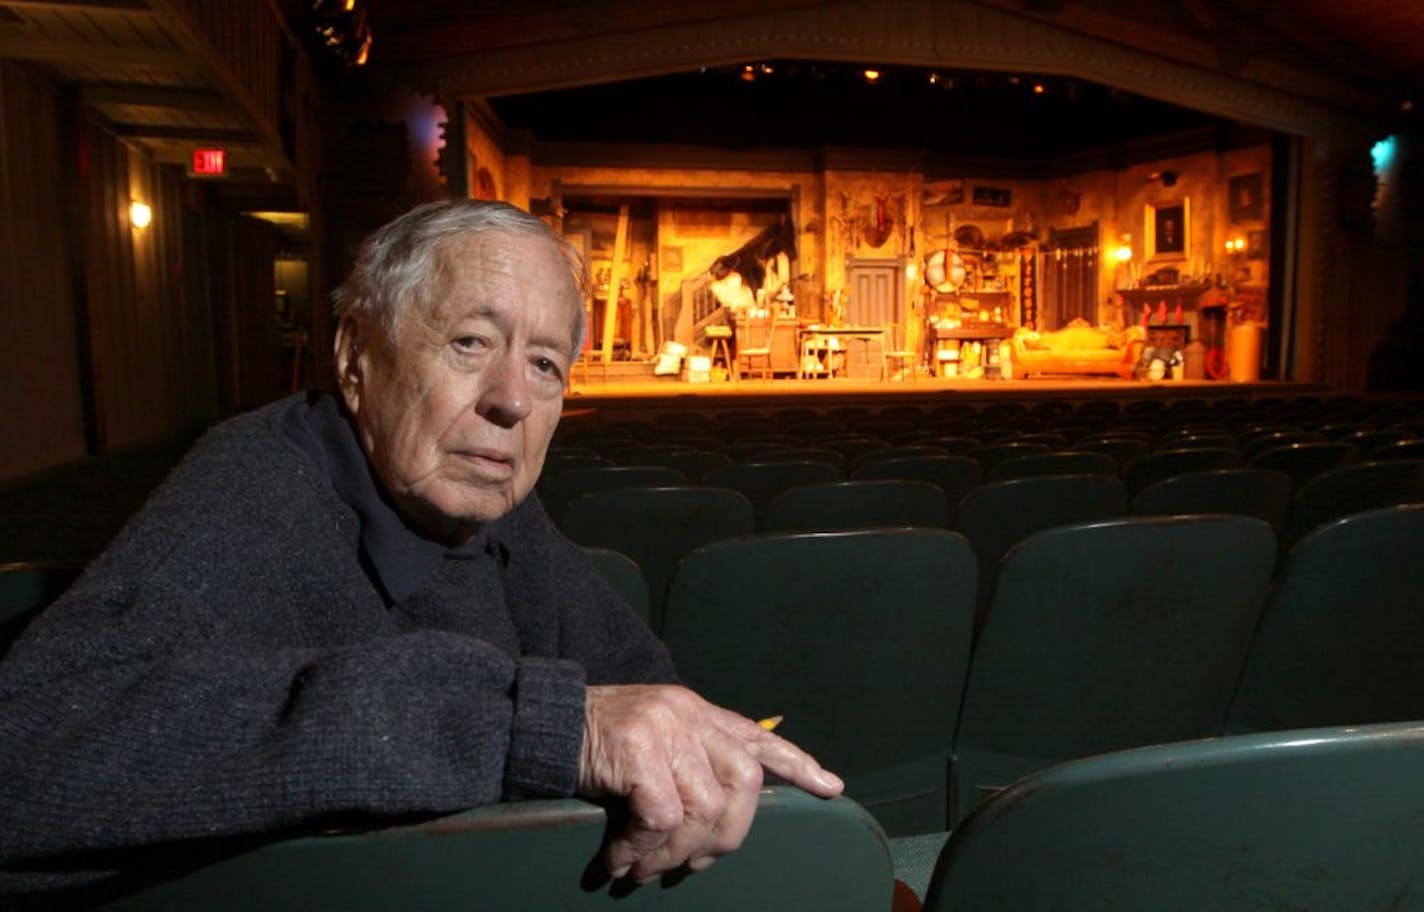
[1123, 253]
[871, 76]
[1235, 245]
[140, 215]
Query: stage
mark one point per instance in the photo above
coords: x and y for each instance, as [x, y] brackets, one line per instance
[618, 397]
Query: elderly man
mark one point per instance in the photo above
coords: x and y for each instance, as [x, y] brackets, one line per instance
[349, 606]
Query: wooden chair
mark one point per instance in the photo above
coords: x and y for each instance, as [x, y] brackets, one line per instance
[896, 359]
[802, 853]
[755, 347]
[1307, 819]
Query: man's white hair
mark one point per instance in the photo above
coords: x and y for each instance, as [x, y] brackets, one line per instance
[399, 265]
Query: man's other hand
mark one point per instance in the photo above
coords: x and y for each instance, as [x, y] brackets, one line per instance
[691, 772]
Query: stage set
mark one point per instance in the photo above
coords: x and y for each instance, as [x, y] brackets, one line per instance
[911, 287]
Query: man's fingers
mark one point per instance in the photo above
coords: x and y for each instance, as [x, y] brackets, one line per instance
[741, 777]
[654, 812]
[781, 756]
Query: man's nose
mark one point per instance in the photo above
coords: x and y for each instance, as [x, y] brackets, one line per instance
[505, 398]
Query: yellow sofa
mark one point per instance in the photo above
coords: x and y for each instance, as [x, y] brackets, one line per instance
[1078, 348]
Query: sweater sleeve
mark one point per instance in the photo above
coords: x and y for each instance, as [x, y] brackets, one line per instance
[121, 727]
[565, 607]
[226, 669]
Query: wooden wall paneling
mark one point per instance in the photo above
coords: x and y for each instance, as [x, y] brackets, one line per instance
[261, 378]
[39, 372]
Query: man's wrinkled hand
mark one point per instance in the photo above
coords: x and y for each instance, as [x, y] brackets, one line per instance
[691, 772]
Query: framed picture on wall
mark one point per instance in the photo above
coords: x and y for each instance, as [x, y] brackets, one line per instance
[1245, 204]
[1257, 245]
[1168, 226]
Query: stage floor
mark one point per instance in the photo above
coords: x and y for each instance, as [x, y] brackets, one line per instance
[665, 393]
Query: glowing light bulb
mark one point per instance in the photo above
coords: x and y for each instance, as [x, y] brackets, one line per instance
[140, 215]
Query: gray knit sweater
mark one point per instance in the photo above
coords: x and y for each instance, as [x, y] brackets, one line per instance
[231, 666]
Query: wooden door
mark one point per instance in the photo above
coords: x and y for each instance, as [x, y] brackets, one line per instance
[877, 292]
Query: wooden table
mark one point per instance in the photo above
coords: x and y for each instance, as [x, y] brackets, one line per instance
[824, 342]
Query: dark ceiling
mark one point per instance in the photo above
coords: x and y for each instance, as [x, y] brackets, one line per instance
[804, 104]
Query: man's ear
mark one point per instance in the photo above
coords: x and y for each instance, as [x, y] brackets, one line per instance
[350, 361]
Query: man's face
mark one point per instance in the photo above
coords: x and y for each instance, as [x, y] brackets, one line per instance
[456, 409]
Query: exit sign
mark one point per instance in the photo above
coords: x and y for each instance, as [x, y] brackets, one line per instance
[210, 162]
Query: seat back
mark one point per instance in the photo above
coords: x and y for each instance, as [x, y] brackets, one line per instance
[656, 527]
[761, 481]
[1160, 464]
[998, 514]
[1124, 450]
[1354, 489]
[693, 463]
[26, 587]
[1055, 462]
[1108, 635]
[955, 475]
[1263, 493]
[991, 454]
[858, 639]
[1304, 461]
[801, 853]
[857, 504]
[1342, 639]
[556, 491]
[624, 575]
[1314, 819]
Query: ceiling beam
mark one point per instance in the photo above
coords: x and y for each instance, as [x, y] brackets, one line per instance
[107, 6]
[147, 132]
[22, 47]
[149, 96]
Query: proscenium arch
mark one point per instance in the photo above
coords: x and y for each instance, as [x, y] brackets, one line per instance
[1326, 118]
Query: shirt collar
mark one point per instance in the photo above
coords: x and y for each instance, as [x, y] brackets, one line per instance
[401, 559]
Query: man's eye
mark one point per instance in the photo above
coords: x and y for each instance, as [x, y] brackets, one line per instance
[468, 343]
[546, 366]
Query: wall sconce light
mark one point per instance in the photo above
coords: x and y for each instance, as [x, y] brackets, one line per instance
[1123, 253]
[140, 215]
[1235, 245]
[871, 76]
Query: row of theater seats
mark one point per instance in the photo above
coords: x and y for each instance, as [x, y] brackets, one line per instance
[1098, 636]
[655, 516]
[1088, 645]
[1308, 819]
